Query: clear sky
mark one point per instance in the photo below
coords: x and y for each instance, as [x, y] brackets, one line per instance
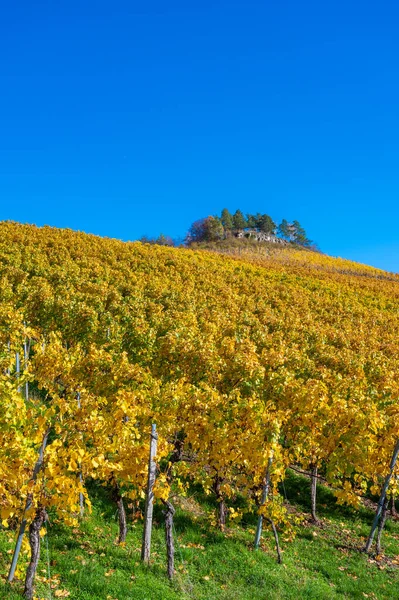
[127, 118]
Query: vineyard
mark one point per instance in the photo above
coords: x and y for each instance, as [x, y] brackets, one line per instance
[253, 365]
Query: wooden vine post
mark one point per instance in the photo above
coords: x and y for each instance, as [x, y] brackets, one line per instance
[17, 368]
[313, 492]
[265, 493]
[8, 370]
[381, 501]
[26, 360]
[81, 497]
[149, 500]
[28, 505]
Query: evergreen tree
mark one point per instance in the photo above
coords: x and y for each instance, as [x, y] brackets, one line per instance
[294, 232]
[300, 236]
[164, 240]
[251, 221]
[266, 224]
[161, 240]
[227, 220]
[239, 220]
[257, 218]
[284, 229]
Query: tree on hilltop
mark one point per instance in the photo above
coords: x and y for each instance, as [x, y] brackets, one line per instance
[282, 230]
[294, 232]
[239, 221]
[227, 220]
[261, 222]
[251, 221]
[161, 240]
[300, 235]
[266, 224]
[209, 229]
[164, 240]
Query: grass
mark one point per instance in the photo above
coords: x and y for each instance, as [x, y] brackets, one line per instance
[323, 562]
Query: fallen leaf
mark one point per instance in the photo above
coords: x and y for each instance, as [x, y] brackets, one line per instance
[109, 573]
[62, 593]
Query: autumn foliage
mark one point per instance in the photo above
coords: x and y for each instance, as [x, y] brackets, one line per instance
[281, 353]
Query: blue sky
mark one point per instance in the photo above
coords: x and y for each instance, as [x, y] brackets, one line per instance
[132, 118]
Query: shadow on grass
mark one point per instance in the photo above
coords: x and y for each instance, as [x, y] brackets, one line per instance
[101, 497]
[296, 489]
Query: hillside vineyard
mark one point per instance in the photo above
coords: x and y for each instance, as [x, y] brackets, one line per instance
[247, 364]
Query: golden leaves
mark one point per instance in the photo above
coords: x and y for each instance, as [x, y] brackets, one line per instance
[235, 355]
